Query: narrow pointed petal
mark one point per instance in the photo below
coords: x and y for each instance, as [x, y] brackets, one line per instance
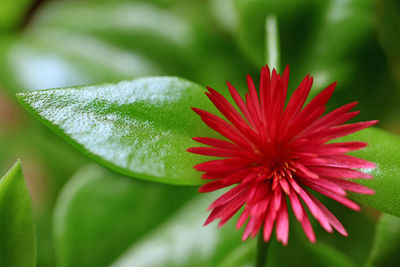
[265, 89]
[304, 171]
[339, 198]
[224, 128]
[298, 99]
[285, 186]
[338, 148]
[332, 219]
[308, 230]
[232, 210]
[340, 131]
[329, 120]
[315, 211]
[211, 186]
[227, 211]
[344, 161]
[282, 223]
[319, 101]
[240, 103]
[328, 185]
[352, 186]
[259, 217]
[243, 218]
[215, 152]
[334, 172]
[254, 96]
[216, 142]
[296, 206]
[254, 113]
[270, 219]
[249, 228]
[230, 113]
[223, 165]
[228, 196]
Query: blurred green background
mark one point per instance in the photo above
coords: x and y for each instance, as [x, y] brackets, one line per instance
[97, 218]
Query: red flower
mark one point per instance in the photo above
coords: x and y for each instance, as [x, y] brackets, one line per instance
[274, 154]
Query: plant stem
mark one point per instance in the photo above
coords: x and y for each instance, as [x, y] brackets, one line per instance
[272, 55]
[262, 251]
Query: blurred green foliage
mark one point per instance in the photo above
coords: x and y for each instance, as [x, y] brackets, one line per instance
[13, 13]
[386, 243]
[121, 211]
[48, 44]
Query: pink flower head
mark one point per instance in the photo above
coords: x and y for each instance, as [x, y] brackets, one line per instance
[273, 155]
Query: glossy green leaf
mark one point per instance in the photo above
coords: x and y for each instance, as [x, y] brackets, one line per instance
[383, 149]
[99, 214]
[17, 234]
[183, 240]
[385, 250]
[140, 128]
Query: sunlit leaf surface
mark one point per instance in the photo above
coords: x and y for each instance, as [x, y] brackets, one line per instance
[140, 128]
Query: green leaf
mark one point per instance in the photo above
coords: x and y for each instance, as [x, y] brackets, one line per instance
[349, 24]
[17, 234]
[140, 128]
[383, 149]
[143, 27]
[386, 246]
[225, 14]
[46, 58]
[183, 240]
[143, 20]
[99, 214]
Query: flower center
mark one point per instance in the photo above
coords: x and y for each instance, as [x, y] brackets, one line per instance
[275, 171]
[282, 170]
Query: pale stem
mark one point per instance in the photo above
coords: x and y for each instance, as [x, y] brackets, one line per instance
[272, 56]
